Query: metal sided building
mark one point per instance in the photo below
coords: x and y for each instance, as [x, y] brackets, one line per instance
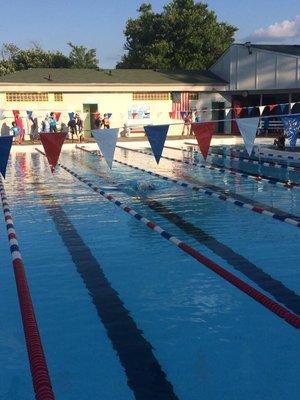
[259, 75]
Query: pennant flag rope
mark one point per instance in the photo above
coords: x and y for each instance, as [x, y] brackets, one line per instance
[52, 143]
[157, 136]
[203, 133]
[291, 128]
[106, 140]
[248, 128]
[5, 146]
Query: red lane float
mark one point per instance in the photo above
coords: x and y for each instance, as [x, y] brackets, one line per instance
[38, 366]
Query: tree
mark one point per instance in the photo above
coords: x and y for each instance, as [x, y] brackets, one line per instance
[186, 35]
[81, 57]
[16, 59]
[6, 67]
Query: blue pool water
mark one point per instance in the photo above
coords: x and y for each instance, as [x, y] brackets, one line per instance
[124, 314]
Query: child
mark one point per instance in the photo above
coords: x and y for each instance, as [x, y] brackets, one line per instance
[105, 122]
[52, 122]
[15, 132]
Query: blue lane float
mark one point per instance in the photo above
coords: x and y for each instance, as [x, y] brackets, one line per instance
[229, 171]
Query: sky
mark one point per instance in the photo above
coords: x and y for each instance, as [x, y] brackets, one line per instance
[100, 23]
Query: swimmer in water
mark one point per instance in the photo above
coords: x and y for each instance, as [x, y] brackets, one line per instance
[144, 186]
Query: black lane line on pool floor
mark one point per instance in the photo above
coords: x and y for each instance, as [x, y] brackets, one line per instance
[265, 281]
[144, 373]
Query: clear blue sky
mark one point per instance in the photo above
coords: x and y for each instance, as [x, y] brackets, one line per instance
[100, 23]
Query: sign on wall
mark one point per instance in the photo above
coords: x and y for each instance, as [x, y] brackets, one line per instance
[139, 111]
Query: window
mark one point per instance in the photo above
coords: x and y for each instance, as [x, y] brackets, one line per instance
[193, 96]
[151, 96]
[58, 97]
[26, 96]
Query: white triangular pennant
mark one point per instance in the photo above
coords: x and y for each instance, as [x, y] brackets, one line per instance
[227, 111]
[261, 109]
[2, 114]
[248, 128]
[292, 105]
[106, 140]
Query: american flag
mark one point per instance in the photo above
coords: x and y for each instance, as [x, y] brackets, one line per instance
[180, 102]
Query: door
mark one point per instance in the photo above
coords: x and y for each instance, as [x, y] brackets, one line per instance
[218, 114]
[89, 122]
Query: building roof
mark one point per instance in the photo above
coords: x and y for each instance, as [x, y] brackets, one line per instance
[279, 48]
[113, 76]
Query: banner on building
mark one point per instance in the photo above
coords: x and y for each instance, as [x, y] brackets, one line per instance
[204, 133]
[291, 128]
[156, 135]
[106, 140]
[248, 128]
[139, 112]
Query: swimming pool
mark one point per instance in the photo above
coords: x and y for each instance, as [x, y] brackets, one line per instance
[125, 314]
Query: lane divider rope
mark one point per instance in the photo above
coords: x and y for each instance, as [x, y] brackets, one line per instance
[225, 170]
[292, 220]
[38, 365]
[266, 155]
[245, 159]
[255, 294]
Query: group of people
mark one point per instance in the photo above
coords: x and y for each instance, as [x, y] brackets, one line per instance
[102, 122]
[49, 125]
[188, 119]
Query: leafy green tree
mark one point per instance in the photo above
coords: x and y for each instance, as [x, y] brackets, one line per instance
[81, 57]
[6, 67]
[186, 35]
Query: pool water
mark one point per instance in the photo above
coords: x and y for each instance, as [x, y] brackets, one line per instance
[124, 314]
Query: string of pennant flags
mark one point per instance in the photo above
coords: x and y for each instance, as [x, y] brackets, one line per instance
[106, 139]
[283, 108]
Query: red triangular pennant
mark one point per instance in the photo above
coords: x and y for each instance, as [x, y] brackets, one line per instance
[16, 113]
[203, 133]
[272, 106]
[57, 115]
[238, 110]
[172, 114]
[52, 143]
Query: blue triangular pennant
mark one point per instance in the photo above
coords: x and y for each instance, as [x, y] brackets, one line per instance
[291, 128]
[109, 115]
[183, 114]
[283, 108]
[156, 135]
[249, 110]
[29, 114]
[106, 140]
[71, 116]
[5, 145]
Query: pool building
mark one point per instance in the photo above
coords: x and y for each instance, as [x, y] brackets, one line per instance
[246, 75]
